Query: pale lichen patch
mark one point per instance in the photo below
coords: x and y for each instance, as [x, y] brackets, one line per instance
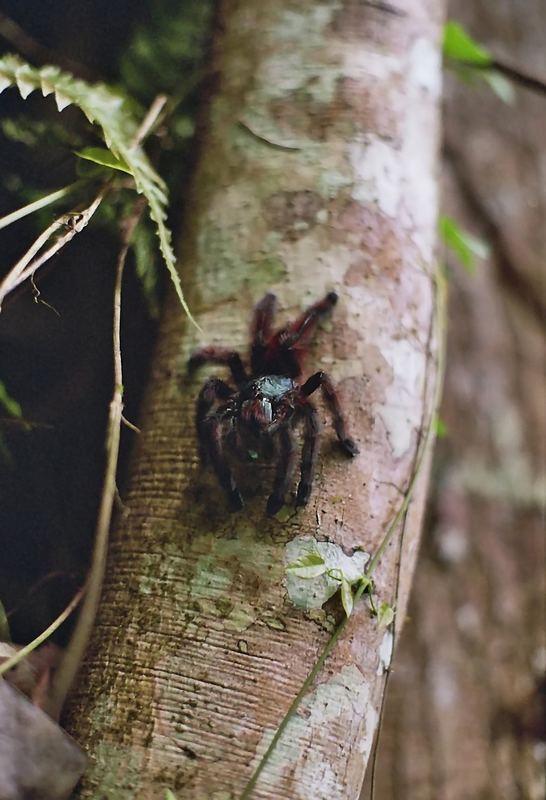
[117, 770]
[338, 701]
[385, 652]
[312, 593]
[425, 66]
[369, 725]
[377, 170]
[401, 413]
[293, 214]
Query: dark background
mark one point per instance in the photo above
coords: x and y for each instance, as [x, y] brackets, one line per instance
[58, 363]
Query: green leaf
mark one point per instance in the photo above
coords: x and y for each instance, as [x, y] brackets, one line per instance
[462, 244]
[310, 565]
[385, 615]
[365, 584]
[502, 87]
[169, 795]
[113, 113]
[99, 155]
[347, 599]
[8, 403]
[459, 46]
[440, 428]
[146, 267]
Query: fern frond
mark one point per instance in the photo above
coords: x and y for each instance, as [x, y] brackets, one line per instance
[109, 110]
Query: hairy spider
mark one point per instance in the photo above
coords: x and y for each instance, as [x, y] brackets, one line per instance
[258, 418]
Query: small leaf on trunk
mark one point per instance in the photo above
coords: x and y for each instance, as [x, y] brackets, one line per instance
[459, 45]
[385, 615]
[465, 246]
[347, 597]
[310, 565]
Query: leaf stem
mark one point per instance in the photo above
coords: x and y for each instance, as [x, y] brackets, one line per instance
[515, 74]
[149, 121]
[26, 266]
[36, 205]
[41, 638]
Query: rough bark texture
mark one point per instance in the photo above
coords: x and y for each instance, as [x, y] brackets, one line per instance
[465, 713]
[317, 172]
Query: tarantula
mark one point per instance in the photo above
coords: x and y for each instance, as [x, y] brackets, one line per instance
[258, 418]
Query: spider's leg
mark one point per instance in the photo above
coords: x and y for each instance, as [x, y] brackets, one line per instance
[305, 324]
[213, 390]
[219, 355]
[260, 331]
[311, 443]
[285, 348]
[285, 468]
[213, 431]
[332, 401]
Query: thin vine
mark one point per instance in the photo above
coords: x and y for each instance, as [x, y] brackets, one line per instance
[11, 662]
[74, 654]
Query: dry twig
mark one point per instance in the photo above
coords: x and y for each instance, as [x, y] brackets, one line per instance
[28, 264]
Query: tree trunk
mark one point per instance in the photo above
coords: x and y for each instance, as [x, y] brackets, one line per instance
[317, 172]
[465, 714]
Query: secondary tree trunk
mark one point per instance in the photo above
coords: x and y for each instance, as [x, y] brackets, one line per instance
[465, 714]
[317, 172]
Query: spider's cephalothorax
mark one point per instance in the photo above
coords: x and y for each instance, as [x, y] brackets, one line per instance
[259, 416]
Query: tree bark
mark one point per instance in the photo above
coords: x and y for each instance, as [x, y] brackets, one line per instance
[465, 711]
[317, 172]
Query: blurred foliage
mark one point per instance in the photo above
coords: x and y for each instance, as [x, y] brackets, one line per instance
[8, 403]
[166, 51]
[460, 46]
[473, 62]
[461, 243]
[5, 635]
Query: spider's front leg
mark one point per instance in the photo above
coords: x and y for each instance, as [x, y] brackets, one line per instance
[213, 391]
[311, 443]
[214, 435]
[305, 324]
[285, 468]
[210, 435]
[332, 401]
[219, 355]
